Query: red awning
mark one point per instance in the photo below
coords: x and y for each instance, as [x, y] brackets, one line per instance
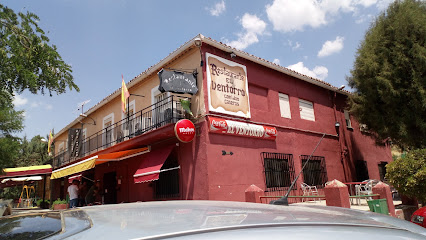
[149, 170]
[27, 171]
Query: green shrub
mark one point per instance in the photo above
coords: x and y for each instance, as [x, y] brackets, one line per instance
[59, 201]
[408, 174]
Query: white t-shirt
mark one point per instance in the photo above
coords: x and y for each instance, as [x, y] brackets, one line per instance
[73, 191]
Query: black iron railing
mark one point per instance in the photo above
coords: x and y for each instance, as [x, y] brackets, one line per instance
[162, 113]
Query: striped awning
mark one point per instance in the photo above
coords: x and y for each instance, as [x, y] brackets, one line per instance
[96, 160]
[26, 171]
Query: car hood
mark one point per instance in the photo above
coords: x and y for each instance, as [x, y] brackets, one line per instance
[140, 220]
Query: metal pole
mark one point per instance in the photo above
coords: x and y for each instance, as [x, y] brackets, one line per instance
[284, 200]
[44, 187]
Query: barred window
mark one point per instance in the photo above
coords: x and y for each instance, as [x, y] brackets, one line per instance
[167, 185]
[278, 169]
[315, 173]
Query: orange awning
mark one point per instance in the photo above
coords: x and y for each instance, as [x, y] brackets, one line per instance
[118, 156]
[96, 160]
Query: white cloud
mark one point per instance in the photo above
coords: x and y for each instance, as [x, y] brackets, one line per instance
[277, 61]
[19, 100]
[364, 18]
[49, 107]
[331, 47]
[319, 72]
[367, 3]
[253, 27]
[294, 46]
[383, 4]
[218, 8]
[291, 16]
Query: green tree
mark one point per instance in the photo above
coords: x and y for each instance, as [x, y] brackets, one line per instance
[408, 174]
[26, 58]
[10, 123]
[32, 152]
[27, 61]
[389, 75]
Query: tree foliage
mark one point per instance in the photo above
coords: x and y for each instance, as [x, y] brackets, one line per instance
[11, 121]
[389, 75]
[27, 60]
[408, 174]
[32, 152]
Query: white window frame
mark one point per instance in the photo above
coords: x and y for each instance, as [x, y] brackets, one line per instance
[106, 120]
[61, 147]
[132, 106]
[303, 116]
[154, 93]
[284, 101]
[348, 119]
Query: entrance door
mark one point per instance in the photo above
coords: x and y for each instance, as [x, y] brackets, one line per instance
[110, 188]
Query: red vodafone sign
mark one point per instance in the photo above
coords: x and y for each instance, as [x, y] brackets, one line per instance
[185, 130]
[220, 125]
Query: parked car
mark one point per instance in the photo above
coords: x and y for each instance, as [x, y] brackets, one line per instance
[208, 220]
[419, 217]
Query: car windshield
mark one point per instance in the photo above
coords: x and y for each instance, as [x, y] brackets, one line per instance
[34, 226]
[52, 225]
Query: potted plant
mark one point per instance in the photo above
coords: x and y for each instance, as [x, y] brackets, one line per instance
[59, 204]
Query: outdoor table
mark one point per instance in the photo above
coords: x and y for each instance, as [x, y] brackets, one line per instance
[351, 186]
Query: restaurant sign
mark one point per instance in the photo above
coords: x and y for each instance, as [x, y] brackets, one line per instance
[229, 127]
[185, 130]
[178, 82]
[227, 87]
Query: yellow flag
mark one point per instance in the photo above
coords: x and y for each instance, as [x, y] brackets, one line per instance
[49, 143]
[124, 95]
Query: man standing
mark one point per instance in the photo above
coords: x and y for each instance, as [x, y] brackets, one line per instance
[73, 193]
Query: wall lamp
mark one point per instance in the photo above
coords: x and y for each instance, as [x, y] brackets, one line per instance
[226, 153]
[337, 126]
[85, 116]
[233, 55]
[198, 43]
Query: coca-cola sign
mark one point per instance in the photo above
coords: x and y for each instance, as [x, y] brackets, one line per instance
[185, 130]
[219, 125]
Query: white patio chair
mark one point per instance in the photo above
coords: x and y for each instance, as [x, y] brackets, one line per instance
[365, 189]
[309, 190]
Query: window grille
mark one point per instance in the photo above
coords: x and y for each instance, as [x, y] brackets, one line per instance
[315, 172]
[167, 185]
[278, 170]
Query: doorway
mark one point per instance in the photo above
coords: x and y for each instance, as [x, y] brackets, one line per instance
[110, 188]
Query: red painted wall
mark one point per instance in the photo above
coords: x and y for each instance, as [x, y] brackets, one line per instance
[228, 176]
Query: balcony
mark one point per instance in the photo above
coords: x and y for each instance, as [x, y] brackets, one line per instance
[162, 113]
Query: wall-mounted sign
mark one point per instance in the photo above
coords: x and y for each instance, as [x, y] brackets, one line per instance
[223, 126]
[185, 130]
[74, 142]
[227, 87]
[177, 82]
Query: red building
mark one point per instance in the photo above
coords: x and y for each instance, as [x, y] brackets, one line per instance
[255, 123]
